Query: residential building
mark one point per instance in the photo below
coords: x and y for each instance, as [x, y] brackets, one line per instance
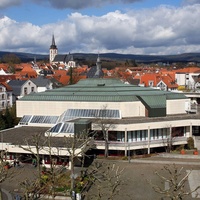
[5, 96]
[162, 81]
[188, 77]
[22, 88]
[42, 83]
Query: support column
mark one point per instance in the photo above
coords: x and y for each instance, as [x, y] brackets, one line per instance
[170, 142]
[148, 139]
[190, 130]
[125, 142]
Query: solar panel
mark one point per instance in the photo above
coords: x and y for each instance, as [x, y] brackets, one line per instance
[67, 128]
[38, 119]
[56, 128]
[63, 128]
[89, 113]
[44, 119]
[25, 119]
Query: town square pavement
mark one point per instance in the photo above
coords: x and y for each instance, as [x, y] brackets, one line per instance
[135, 175]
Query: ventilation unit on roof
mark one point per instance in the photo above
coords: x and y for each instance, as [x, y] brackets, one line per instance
[101, 84]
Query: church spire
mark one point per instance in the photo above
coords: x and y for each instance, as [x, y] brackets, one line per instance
[53, 50]
[53, 44]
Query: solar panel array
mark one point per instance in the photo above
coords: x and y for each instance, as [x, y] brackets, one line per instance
[39, 119]
[60, 123]
[89, 113]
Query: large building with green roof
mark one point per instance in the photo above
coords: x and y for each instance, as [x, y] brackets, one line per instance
[130, 100]
[142, 118]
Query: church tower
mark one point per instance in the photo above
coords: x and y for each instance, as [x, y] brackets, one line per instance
[53, 51]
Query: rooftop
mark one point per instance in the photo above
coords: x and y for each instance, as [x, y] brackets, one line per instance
[100, 90]
[27, 134]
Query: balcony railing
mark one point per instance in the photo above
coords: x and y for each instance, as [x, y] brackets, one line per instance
[138, 144]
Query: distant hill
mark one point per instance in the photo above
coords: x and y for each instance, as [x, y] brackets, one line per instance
[186, 57]
[26, 57]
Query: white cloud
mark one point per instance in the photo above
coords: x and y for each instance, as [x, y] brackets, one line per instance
[162, 30]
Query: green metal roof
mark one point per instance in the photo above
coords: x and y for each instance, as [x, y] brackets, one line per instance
[100, 90]
[156, 101]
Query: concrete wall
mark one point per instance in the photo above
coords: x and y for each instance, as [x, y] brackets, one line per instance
[180, 79]
[56, 108]
[176, 106]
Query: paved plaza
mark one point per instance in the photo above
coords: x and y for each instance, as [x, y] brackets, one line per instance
[135, 176]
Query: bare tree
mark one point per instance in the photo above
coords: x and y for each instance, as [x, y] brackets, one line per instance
[3, 170]
[174, 183]
[105, 123]
[106, 180]
[34, 145]
[4, 173]
[74, 147]
[31, 189]
[77, 145]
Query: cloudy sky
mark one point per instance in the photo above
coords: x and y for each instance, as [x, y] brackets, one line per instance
[117, 26]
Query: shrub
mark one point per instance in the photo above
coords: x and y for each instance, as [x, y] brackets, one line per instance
[190, 143]
[125, 158]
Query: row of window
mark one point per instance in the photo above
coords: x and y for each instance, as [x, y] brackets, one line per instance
[155, 134]
[5, 104]
[26, 90]
[4, 96]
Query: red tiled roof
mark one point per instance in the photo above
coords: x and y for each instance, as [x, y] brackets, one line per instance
[5, 78]
[8, 88]
[4, 66]
[188, 70]
[168, 79]
[27, 72]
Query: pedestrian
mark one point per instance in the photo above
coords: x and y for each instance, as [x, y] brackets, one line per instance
[14, 162]
[34, 163]
[17, 162]
[17, 197]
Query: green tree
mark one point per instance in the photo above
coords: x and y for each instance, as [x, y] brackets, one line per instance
[71, 76]
[11, 59]
[15, 119]
[2, 122]
[8, 118]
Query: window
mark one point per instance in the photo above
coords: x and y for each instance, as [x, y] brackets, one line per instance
[25, 90]
[162, 86]
[3, 96]
[150, 83]
[32, 89]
